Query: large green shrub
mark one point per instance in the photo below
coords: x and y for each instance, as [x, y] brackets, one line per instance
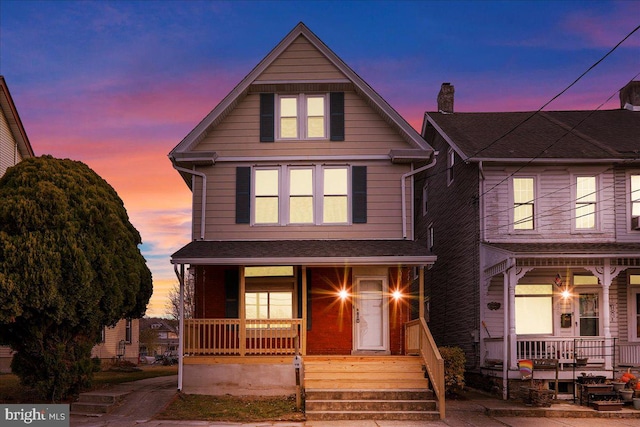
[454, 361]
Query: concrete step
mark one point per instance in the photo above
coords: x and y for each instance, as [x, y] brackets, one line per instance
[370, 405]
[372, 415]
[97, 402]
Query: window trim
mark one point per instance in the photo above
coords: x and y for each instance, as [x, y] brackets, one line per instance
[425, 198]
[512, 204]
[596, 203]
[302, 116]
[254, 198]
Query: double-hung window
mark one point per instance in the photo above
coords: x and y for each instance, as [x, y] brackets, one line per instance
[635, 195]
[634, 306]
[316, 194]
[451, 161]
[301, 206]
[586, 202]
[302, 116]
[267, 196]
[523, 203]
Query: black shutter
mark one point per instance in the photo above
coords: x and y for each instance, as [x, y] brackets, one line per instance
[336, 116]
[359, 194]
[243, 195]
[231, 291]
[267, 117]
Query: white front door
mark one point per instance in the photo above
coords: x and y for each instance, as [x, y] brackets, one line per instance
[371, 314]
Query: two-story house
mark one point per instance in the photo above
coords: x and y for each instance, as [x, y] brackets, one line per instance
[534, 219]
[302, 182]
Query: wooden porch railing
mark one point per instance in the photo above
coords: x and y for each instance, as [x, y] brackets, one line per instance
[418, 340]
[241, 337]
[595, 349]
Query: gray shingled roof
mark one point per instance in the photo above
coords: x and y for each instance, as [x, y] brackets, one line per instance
[624, 250]
[307, 252]
[611, 134]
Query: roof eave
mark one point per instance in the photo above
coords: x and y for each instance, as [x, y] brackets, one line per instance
[311, 261]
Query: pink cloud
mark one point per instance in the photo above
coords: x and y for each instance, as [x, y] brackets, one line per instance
[606, 29]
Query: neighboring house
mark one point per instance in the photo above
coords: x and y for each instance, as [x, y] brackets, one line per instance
[157, 336]
[534, 219]
[302, 182]
[119, 343]
[14, 147]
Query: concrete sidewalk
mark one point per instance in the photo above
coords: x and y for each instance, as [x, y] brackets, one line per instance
[148, 397]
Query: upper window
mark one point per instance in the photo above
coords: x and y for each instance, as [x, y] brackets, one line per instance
[586, 203]
[128, 331]
[302, 116]
[534, 309]
[425, 195]
[306, 201]
[451, 160]
[267, 200]
[523, 203]
[635, 195]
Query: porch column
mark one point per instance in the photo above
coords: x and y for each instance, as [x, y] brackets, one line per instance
[606, 315]
[421, 291]
[243, 313]
[512, 281]
[303, 332]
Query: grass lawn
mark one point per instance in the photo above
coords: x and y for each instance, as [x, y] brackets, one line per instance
[231, 408]
[11, 391]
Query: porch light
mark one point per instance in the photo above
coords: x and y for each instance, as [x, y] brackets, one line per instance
[343, 294]
[397, 294]
[566, 294]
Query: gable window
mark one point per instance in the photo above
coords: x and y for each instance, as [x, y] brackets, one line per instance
[534, 309]
[451, 160]
[586, 203]
[317, 194]
[523, 203]
[302, 116]
[267, 190]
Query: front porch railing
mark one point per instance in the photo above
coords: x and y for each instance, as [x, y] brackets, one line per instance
[240, 337]
[418, 340]
[594, 349]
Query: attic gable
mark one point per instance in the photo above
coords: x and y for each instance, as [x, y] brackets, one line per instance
[271, 74]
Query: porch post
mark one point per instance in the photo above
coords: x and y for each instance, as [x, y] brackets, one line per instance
[421, 291]
[512, 319]
[606, 317]
[243, 314]
[303, 332]
[180, 276]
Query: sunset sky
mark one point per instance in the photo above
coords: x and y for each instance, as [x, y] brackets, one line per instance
[118, 84]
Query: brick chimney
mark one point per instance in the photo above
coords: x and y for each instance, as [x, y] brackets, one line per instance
[445, 98]
[630, 96]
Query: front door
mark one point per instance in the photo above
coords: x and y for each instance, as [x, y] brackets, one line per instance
[371, 314]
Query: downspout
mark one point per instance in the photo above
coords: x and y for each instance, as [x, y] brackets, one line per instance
[204, 196]
[180, 275]
[431, 164]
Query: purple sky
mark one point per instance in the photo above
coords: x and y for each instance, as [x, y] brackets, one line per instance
[118, 84]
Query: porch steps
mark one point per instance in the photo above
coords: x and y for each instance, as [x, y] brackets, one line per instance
[367, 387]
[97, 403]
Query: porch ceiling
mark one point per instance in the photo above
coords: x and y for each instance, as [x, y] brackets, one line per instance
[304, 252]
